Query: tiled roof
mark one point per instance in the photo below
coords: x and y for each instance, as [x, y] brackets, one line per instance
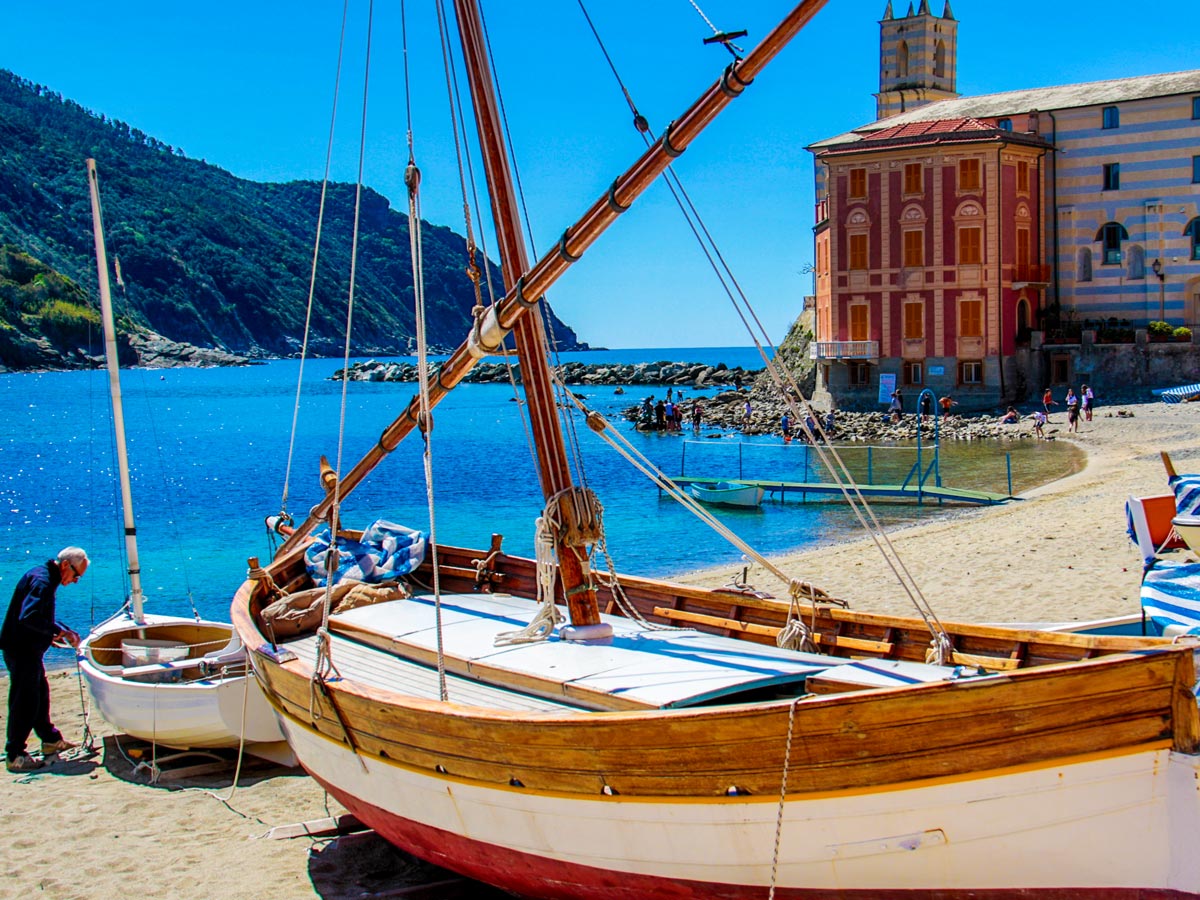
[926, 133]
[1011, 103]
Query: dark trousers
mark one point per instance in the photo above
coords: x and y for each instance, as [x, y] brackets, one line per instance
[28, 702]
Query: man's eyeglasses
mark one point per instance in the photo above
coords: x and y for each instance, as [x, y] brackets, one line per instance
[74, 571]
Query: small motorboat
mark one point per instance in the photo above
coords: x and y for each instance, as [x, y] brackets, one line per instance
[724, 493]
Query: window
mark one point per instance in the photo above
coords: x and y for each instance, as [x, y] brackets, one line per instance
[914, 373]
[970, 246]
[914, 322]
[1023, 254]
[939, 60]
[858, 251]
[914, 248]
[1193, 231]
[1112, 118]
[1196, 170]
[970, 372]
[1004, 124]
[860, 374]
[858, 183]
[1112, 176]
[1083, 269]
[858, 322]
[912, 178]
[968, 175]
[1196, 107]
[1110, 236]
[970, 318]
[902, 60]
[1023, 177]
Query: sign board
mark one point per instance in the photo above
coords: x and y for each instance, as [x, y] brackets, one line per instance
[887, 384]
[937, 370]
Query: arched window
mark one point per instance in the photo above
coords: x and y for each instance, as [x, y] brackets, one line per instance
[1110, 236]
[1135, 259]
[1193, 231]
[1083, 268]
[939, 60]
[902, 60]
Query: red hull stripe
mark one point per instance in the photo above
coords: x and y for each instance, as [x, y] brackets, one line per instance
[538, 877]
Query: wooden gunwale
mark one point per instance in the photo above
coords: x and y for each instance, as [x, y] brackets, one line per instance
[860, 740]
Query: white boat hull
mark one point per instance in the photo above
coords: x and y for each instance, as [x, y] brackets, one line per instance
[1117, 825]
[743, 495]
[1188, 529]
[207, 713]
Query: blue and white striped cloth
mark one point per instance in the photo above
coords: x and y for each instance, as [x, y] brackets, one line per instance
[387, 551]
[1187, 494]
[1178, 394]
[1171, 596]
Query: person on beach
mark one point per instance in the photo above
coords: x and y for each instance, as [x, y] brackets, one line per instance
[947, 404]
[1089, 400]
[1010, 417]
[697, 415]
[785, 426]
[1072, 415]
[1047, 402]
[746, 410]
[1039, 422]
[669, 412]
[926, 407]
[830, 423]
[896, 407]
[28, 631]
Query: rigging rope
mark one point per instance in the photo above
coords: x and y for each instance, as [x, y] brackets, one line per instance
[940, 649]
[412, 181]
[312, 279]
[323, 666]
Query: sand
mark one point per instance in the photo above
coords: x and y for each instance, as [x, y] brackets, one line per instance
[92, 827]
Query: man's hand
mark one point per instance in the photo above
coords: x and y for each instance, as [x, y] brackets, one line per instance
[67, 638]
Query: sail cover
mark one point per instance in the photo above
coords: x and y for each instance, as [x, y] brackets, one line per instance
[1171, 596]
[386, 551]
[1187, 494]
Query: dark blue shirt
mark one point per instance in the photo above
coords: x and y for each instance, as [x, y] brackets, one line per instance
[29, 625]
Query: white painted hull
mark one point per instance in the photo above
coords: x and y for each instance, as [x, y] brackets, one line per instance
[1116, 825]
[1188, 528]
[746, 496]
[192, 714]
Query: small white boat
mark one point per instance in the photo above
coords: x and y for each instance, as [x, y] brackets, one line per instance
[1188, 529]
[724, 493]
[180, 682]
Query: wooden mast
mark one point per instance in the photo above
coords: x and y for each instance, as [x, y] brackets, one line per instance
[576, 240]
[554, 468]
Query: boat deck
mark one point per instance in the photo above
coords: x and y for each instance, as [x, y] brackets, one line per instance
[637, 669]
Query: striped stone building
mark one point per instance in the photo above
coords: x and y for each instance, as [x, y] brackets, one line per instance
[958, 239]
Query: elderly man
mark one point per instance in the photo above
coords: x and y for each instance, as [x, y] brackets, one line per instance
[28, 631]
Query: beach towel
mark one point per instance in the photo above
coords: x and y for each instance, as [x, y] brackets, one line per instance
[1171, 596]
[386, 551]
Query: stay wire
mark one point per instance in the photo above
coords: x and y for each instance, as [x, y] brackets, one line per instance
[312, 280]
[757, 332]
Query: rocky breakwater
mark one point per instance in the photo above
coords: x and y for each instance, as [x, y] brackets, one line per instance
[726, 412]
[679, 374]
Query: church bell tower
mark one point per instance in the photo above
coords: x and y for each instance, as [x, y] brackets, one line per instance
[918, 59]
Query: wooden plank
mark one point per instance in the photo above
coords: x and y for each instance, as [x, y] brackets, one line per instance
[736, 625]
[992, 663]
[330, 825]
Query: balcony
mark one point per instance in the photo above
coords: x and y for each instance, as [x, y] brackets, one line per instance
[836, 350]
[1035, 275]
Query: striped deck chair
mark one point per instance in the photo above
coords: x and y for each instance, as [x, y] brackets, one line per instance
[1171, 598]
[1187, 494]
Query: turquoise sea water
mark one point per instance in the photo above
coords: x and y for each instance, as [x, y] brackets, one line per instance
[208, 453]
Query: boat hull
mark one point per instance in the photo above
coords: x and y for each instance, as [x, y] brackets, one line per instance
[746, 496]
[1188, 528]
[1102, 826]
[204, 713]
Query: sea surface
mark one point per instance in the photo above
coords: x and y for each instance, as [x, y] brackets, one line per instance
[209, 454]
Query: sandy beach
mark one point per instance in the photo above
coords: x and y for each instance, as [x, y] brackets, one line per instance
[93, 825]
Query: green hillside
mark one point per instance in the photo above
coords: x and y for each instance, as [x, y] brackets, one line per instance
[206, 258]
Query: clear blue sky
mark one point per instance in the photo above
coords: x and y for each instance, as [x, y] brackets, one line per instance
[248, 86]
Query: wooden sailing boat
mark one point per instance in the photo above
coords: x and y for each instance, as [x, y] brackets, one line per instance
[174, 681]
[622, 759]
